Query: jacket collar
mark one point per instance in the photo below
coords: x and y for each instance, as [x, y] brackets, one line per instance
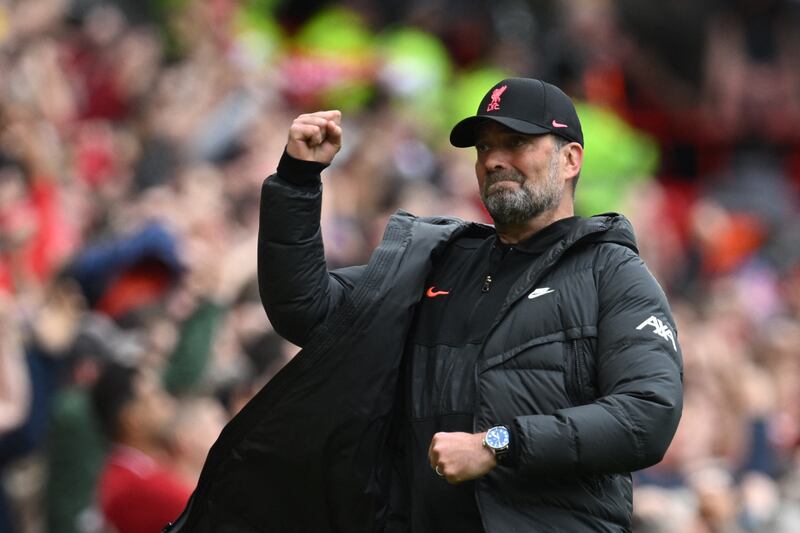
[608, 227]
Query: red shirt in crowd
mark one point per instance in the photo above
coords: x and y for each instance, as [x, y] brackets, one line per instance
[137, 494]
[49, 236]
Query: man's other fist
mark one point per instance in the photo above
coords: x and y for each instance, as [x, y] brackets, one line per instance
[315, 136]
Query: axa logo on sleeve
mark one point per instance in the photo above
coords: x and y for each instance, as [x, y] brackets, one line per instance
[659, 328]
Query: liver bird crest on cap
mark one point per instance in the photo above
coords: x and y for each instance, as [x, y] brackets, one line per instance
[494, 105]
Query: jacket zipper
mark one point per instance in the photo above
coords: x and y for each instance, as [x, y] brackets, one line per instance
[487, 283]
[571, 379]
[581, 398]
[532, 279]
[579, 395]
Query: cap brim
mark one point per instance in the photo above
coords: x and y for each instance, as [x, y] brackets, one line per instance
[463, 133]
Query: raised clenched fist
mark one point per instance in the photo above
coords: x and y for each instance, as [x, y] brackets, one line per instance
[315, 136]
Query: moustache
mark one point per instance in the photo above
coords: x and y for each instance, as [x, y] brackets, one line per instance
[497, 176]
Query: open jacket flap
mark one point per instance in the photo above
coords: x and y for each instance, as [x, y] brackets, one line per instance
[309, 451]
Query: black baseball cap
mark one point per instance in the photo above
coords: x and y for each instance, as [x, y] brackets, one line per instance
[525, 105]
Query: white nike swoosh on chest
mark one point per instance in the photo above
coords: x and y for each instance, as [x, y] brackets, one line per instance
[540, 292]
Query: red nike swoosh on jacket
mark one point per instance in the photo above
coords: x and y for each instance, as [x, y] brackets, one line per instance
[431, 293]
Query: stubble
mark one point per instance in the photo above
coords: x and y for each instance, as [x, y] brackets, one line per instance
[514, 206]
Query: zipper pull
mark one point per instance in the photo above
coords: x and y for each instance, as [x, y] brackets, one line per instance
[486, 284]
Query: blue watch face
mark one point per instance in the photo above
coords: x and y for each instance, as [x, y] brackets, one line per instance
[497, 437]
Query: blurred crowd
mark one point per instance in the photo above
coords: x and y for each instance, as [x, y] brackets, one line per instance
[134, 137]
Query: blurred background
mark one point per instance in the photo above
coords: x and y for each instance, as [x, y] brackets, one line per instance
[135, 134]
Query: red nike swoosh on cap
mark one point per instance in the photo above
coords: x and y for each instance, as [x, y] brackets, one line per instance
[558, 124]
[431, 293]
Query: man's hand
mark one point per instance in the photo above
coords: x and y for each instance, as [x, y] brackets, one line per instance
[460, 456]
[315, 136]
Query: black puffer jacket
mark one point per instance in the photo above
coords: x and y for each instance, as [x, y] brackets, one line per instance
[584, 364]
[584, 359]
[589, 372]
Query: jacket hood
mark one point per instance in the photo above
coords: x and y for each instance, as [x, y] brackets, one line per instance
[607, 227]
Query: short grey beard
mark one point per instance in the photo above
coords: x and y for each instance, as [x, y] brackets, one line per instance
[516, 207]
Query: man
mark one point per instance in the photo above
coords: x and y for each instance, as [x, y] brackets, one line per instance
[137, 492]
[527, 368]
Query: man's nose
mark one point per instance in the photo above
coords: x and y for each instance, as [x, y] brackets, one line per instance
[496, 159]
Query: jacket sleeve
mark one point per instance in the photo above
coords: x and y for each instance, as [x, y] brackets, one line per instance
[297, 291]
[639, 382]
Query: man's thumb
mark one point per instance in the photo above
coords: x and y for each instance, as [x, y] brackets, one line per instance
[334, 133]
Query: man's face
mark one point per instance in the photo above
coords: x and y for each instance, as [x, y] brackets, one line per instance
[518, 174]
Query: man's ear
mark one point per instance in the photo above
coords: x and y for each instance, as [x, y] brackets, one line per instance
[573, 160]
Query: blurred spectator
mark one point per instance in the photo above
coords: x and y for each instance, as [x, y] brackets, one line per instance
[139, 489]
[15, 393]
[195, 426]
[14, 383]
